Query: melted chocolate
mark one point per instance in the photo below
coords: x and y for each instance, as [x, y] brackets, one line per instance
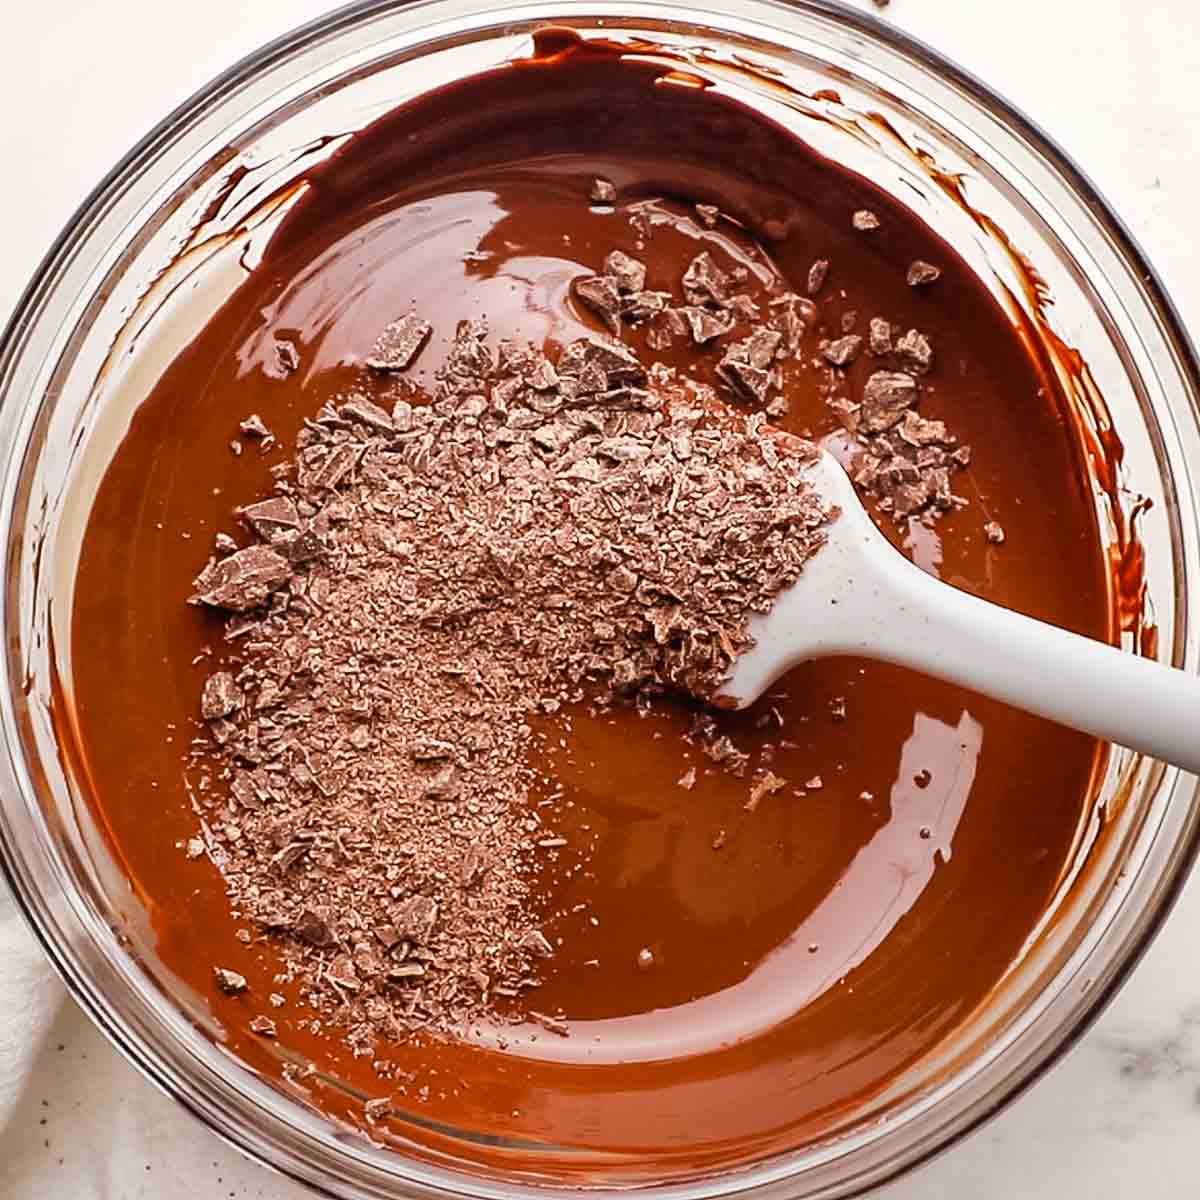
[836, 937]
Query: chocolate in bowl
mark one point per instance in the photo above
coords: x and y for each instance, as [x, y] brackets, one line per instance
[938, 1073]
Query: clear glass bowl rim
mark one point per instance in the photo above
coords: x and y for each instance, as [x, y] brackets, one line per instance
[773, 1176]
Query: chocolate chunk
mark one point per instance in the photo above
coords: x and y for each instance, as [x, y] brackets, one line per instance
[706, 325]
[230, 982]
[709, 215]
[220, 697]
[287, 357]
[628, 273]
[916, 351]
[994, 533]
[880, 336]
[397, 347]
[641, 306]
[377, 1110]
[843, 351]
[704, 282]
[688, 780]
[599, 293]
[921, 273]
[865, 221]
[243, 580]
[339, 462]
[271, 518]
[885, 398]
[253, 426]
[602, 192]
[366, 413]
[263, 1026]
[817, 274]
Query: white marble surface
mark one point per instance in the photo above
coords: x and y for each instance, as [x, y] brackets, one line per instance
[1115, 83]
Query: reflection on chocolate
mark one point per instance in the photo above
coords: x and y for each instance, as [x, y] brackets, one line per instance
[831, 939]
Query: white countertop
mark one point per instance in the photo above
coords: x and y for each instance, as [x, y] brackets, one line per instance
[1116, 83]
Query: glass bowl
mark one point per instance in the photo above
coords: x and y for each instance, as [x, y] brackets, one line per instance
[161, 240]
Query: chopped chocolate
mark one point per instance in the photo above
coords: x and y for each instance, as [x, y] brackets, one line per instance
[253, 426]
[705, 325]
[865, 221]
[705, 283]
[629, 273]
[601, 294]
[397, 347]
[994, 533]
[220, 697]
[641, 306]
[602, 192]
[766, 784]
[688, 780]
[880, 336]
[287, 357]
[263, 1026]
[709, 215]
[230, 982]
[243, 580]
[886, 396]
[921, 273]
[915, 350]
[552, 512]
[843, 351]
[817, 274]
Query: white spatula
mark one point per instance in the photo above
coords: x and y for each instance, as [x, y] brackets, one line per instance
[860, 596]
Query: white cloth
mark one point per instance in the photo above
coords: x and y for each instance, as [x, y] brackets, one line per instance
[30, 995]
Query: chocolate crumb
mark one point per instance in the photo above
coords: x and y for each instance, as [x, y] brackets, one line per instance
[263, 1026]
[921, 273]
[864, 220]
[994, 533]
[766, 784]
[377, 1109]
[230, 982]
[817, 274]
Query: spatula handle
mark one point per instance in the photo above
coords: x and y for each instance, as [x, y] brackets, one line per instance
[1073, 680]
